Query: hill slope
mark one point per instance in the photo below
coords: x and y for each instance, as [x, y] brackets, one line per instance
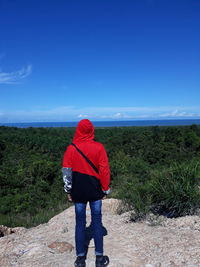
[172, 242]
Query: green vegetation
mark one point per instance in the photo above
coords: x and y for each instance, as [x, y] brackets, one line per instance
[152, 168]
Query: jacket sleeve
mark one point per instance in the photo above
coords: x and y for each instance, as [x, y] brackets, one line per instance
[67, 179]
[104, 171]
[67, 170]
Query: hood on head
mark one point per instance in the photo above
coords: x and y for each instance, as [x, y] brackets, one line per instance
[84, 131]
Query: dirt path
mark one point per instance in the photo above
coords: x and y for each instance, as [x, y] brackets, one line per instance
[171, 242]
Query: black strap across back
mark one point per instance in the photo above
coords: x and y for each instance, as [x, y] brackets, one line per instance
[86, 158]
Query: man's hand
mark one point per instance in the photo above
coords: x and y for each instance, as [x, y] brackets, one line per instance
[69, 197]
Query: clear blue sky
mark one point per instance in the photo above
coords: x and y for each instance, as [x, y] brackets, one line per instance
[63, 60]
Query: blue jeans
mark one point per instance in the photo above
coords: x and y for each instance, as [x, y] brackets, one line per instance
[96, 223]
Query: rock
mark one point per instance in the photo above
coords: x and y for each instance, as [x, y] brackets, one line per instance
[61, 246]
[159, 242]
[4, 230]
[187, 222]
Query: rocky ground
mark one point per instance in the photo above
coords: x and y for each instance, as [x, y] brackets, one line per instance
[156, 242]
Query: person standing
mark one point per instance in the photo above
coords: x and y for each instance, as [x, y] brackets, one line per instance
[86, 176]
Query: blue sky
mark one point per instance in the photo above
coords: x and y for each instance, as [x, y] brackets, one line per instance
[100, 59]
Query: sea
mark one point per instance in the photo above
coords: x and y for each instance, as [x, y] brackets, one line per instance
[124, 123]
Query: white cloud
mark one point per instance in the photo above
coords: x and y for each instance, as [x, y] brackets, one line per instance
[14, 77]
[71, 113]
[177, 113]
[118, 115]
[82, 116]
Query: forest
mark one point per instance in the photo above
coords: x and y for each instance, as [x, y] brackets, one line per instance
[152, 169]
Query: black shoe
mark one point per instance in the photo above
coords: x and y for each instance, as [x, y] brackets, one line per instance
[80, 261]
[102, 261]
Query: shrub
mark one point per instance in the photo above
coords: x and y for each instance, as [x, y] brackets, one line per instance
[174, 191]
[171, 192]
[135, 196]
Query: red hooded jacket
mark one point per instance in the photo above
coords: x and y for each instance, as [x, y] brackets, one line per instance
[87, 184]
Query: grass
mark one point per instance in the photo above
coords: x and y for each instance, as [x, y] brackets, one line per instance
[27, 220]
[171, 192]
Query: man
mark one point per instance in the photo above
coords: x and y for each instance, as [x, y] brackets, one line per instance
[86, 177]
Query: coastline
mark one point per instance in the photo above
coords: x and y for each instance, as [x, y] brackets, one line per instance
[169, 122]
